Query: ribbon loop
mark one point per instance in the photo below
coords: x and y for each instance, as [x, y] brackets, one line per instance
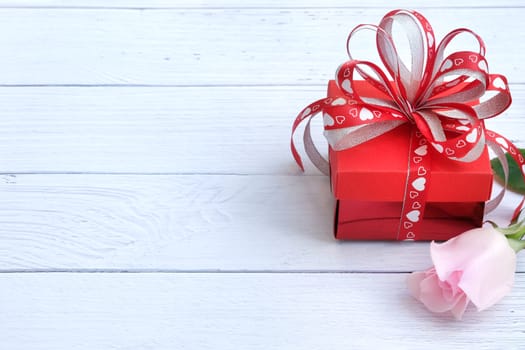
[421, 41]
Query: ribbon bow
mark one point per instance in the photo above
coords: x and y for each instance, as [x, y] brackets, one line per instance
[444, 98]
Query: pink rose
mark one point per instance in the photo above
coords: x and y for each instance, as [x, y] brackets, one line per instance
[477, 266]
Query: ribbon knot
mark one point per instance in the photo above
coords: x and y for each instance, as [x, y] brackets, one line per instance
[446, 98]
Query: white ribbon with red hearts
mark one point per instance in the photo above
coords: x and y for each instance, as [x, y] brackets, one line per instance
[439, 95]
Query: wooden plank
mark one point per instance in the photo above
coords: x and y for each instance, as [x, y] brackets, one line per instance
[235, 311]
[176, 4]
[216, 130]
[213, 46]
[186, 223]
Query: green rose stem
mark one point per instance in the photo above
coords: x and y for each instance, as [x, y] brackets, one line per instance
[514, 234]
[515, 244]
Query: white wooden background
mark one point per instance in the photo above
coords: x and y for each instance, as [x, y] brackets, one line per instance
[148, 198]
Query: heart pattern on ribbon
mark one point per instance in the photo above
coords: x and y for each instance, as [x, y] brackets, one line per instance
[415, 195]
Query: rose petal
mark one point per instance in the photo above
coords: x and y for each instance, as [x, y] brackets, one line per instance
[490, 276]
[431, 294]
[414, 281]
[486, 261]
[456, 253]
[459, 309]
[450, 288]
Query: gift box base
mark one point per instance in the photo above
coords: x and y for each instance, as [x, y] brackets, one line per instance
[371, 220]
[369, 183]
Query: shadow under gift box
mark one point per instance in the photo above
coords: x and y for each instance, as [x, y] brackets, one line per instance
[369, 180]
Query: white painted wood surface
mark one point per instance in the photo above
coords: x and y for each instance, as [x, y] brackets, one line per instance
[239, 311]
[148, 199]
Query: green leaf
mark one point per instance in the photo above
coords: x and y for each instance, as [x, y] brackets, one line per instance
[516, 183]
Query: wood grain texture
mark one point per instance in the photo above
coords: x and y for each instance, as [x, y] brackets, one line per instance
[215, 46]
[219, 130]
[187, 223]
[204, 4]
[235, 311]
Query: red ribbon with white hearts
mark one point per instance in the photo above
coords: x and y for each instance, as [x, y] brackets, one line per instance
[440, 96]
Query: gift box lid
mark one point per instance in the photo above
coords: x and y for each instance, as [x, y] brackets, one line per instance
[377, 170]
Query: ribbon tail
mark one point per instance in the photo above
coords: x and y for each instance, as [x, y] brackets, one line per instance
[514, 152]
[517, 212]
[491, 204]
[311, 150]
[296, 155]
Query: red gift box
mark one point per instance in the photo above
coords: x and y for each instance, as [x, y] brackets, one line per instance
[409, 157]
[369, 192]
